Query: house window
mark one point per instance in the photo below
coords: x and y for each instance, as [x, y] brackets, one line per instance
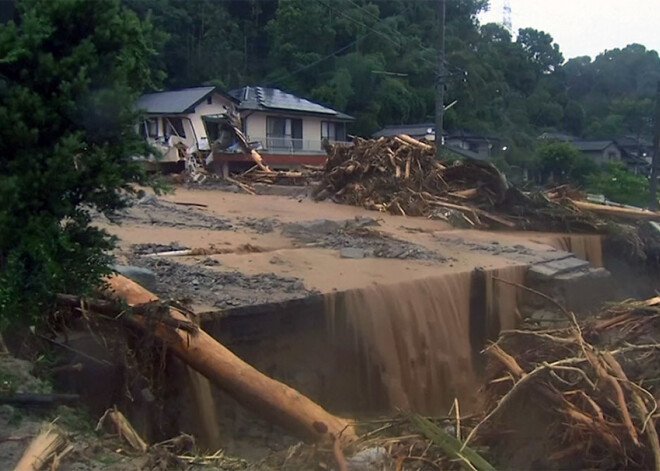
[174, 126]
[209, 100]
[333, 131]
[611, 156]
[284, 133]
[150, 127]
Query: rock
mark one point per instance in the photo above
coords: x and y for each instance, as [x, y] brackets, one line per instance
[147, 199]
[310, 230]
[362, 221]
[369, 459]
[142, 276]
[351, 252]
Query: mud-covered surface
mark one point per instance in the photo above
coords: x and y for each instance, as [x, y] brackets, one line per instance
[360, 235]
[157, 212]
[259, 225]
[198, 284]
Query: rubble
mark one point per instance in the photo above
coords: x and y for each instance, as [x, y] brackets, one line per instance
[354, 236]
[220, 289]
[594, 388]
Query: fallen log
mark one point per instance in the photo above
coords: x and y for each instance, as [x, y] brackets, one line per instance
[477, 211]
[39, 400]
[413, 142]
[268, 398]
[615, 211]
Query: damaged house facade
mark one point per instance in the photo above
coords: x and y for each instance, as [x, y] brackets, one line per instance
[184, 122]
[287, 130]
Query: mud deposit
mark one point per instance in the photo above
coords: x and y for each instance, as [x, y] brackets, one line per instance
[220, 289]
[356, 234]
[156, 212]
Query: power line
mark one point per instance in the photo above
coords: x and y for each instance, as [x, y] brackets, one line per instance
[332, 54]
[318, 61]
[349, 17]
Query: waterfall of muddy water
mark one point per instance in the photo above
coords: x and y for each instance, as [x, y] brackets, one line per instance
[585, 246]
[502, 300]
[208, 434]
[408, 345]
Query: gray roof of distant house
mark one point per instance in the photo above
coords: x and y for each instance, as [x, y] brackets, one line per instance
[177, 101]
[592, 146]
[274, 99]
[413, 130]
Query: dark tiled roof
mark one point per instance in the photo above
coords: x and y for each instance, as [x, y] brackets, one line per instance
[177, 101]
[592, 146]
[274, 99]
[413, 130]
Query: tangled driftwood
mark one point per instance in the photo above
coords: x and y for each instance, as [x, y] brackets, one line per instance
[596, 382]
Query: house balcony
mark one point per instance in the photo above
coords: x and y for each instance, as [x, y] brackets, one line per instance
[288, 145]
[276, 152]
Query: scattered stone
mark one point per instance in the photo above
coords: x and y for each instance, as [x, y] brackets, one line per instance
[371, 458]
[221, 289]
[166, 214]
[309, 231]
[351, 252]
[210, 262]
[355, 234]
[260, 225]
[148, 199]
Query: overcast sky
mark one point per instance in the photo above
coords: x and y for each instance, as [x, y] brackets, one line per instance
[586, 27]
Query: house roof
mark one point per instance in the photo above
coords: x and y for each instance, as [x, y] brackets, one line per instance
[592, 146]
[274, 99]
[421, 129]
[177, 101]
[557, 136]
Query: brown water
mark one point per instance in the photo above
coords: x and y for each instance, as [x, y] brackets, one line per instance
[409, 345]
[205, 410]
[585, 246]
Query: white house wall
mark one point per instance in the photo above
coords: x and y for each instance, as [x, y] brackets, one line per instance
[256, 128]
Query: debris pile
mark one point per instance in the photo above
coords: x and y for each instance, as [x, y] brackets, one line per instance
[401, 175]
[592, 387]
[581, 396]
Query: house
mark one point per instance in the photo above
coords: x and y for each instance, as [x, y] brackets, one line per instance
[462, 141]
[287, 129]
[184, 122]
[418, 131]
[637, 153]
[633, 152]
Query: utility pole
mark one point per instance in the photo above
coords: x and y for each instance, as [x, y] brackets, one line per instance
[440, 79]
[655, 162]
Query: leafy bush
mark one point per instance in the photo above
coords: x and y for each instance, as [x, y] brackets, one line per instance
[620, 185]
[69, 75]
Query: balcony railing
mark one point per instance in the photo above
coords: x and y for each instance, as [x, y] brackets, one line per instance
[288, 145]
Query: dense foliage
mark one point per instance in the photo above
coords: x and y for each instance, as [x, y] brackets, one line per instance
[70, 71]
[375, 59]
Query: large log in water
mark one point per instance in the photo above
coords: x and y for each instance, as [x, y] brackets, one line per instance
[269, 399]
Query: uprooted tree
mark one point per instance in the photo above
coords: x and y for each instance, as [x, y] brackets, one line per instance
[69, 74]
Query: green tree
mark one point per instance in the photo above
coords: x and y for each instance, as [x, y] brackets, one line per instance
[618, 184]
[557, 160]
[70, 71]
[540, 48]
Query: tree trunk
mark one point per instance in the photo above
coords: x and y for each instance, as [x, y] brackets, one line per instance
[269, 399]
